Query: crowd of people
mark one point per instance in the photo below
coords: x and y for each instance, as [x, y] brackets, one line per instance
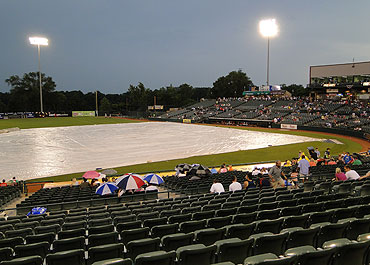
[299, 171]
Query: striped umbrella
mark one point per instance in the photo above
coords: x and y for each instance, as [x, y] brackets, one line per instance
[106, 188]
[153, 179]
[199, 170]
[182, 167]
[91, 175]
[130, 182]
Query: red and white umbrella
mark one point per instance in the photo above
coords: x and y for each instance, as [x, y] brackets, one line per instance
[91, 175]
[130, 182]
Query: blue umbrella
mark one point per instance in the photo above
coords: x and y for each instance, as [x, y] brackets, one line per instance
[106, 188]
[153, 179]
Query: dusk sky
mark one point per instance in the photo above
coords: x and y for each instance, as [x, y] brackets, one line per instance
[107, 45]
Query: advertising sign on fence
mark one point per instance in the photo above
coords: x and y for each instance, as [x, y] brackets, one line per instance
[288, 126]
[82, 113]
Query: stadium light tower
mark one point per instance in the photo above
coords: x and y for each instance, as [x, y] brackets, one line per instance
[269, 29]
[39, 42]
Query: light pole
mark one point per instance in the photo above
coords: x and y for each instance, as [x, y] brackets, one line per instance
[39, 42]
[269, 29]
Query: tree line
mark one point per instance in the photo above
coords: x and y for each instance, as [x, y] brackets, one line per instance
[24, 95]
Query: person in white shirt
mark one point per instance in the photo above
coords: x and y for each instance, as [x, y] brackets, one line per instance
[351, 174]
[217, 187]
[151, 187]
[235, 185]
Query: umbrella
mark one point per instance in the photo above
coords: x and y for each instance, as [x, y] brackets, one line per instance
[182, 167]
[91, 175]
[153, 179]
[109, 172]
[106, 188]
[130, 182]
[199, 170]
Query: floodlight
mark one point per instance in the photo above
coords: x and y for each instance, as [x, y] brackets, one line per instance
[39, 41]
[268, 28]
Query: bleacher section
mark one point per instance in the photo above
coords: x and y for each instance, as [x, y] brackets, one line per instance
[345, 115]
[241, 227]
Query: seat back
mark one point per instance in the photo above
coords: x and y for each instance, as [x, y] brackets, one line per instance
[137, 247]
[233, 250]
[195, 254]
[174, 241]
[31, 260]
[72, 257]
[69, 244]
[105, 252]
[156, 258]
[39, 249]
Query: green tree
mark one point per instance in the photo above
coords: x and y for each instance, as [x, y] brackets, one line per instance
[105, 106]
[231, 85]
[296, 90]
[25, 91]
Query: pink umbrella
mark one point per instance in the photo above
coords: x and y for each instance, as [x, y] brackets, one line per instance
[91, 175]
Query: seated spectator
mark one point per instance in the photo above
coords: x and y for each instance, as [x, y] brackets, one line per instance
[256, 171]
[339, 175]
[294, 176]
[287, 163]
[84, 183]
[222, 169]
[332, 162]
[350, 173]
[3, 184]
[151, 187]
[264, 171]
[14, 181]
[213, 170]
[75, 182]
[347, 158]
[94, 183]
[264, 181]
[249, 183]
[217, 187]
[357, 162]
[230, 168]
[235, 185]
[312, 163]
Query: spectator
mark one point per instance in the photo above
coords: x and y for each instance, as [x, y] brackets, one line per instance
[230, 168]
[347, 158]
[350, 173]
[287, 163]
[213, 170]
[14, 181]
[294, 177]
[357, 162]
[248, 183]
[339, 175]
[235, 185]
[84, 183]
[304, 167]
[3, 184]
[217, 187]
[256, 171]
[276, 175]
[75, 182]
[317, 152]
[222, 169]
[151, 187]
[332, 162]
[327, 153]
[312, 163]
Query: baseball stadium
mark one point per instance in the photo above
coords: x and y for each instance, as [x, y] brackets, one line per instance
[236, 171]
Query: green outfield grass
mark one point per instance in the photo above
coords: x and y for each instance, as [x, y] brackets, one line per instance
[240, 157]
[59, 122]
